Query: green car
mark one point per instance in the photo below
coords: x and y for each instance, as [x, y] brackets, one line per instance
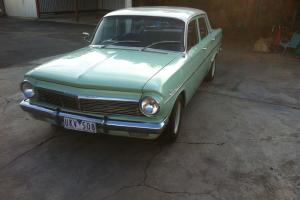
[142, 67]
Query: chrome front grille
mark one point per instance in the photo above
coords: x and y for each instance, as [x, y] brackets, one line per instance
[109, 107]
[89, 105]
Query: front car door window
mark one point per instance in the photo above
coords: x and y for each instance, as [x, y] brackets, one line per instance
[202, 27]
[193, 36]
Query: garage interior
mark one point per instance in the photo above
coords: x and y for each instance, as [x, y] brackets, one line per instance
[246, 15]
[261, 21]
[240, 136]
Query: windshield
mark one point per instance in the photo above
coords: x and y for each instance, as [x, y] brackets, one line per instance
[142, 32]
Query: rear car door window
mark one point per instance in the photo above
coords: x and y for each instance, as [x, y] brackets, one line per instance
[202, 27]
[193, 36]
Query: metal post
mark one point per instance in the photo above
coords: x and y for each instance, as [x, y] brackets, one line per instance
[77, 10]
[296, 13]
[38, 11]
[3, 8]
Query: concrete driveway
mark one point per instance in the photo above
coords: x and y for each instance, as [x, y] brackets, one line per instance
[239, 140]
[25, 40]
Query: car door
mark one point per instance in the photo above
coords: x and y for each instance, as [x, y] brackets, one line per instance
[207, 42]
[195, 55]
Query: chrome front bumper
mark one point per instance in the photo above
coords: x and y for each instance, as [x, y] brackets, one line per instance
[103, 124]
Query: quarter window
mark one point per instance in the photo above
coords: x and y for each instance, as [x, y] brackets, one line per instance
[193, 37]
[202, 27]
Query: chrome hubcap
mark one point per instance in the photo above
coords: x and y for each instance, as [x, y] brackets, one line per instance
[177, 118]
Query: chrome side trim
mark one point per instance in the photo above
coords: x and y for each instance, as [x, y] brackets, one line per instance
[188, 78]
[106, 124]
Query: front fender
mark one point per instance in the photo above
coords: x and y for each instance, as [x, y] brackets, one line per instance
[168, 84]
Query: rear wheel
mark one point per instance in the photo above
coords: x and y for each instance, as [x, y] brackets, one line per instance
[172, 130]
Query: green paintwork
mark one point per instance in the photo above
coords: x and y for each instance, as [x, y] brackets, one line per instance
[104, 69]
[131, 74]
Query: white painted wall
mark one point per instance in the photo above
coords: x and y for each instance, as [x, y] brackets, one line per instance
[20, 8]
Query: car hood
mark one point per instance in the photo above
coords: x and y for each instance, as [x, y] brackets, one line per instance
[104, 69]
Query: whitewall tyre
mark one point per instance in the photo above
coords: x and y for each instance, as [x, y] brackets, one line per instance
[173, 127]
[211, 74]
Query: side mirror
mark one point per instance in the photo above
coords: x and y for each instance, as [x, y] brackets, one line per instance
[86, 36]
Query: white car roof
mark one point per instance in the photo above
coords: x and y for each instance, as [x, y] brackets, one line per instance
[182, 13]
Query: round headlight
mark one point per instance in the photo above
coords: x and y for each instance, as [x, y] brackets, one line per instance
[27, 89]
[149, 106]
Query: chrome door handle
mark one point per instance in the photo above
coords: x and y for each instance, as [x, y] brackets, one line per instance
[213, 39]
[204, 48]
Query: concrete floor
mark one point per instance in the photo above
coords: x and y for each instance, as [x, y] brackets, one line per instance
[239, 139]
[25, 40]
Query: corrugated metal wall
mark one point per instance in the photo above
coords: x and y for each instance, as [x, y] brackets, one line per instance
[47, 6]
[111, 4]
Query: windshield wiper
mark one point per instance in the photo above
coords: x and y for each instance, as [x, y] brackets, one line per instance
[117, 41]
[160, 42]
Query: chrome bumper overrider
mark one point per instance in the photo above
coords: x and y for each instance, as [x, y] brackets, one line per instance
[103, 124]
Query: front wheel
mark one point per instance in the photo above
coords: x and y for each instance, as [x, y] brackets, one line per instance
[172, 130]
[211, 74]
